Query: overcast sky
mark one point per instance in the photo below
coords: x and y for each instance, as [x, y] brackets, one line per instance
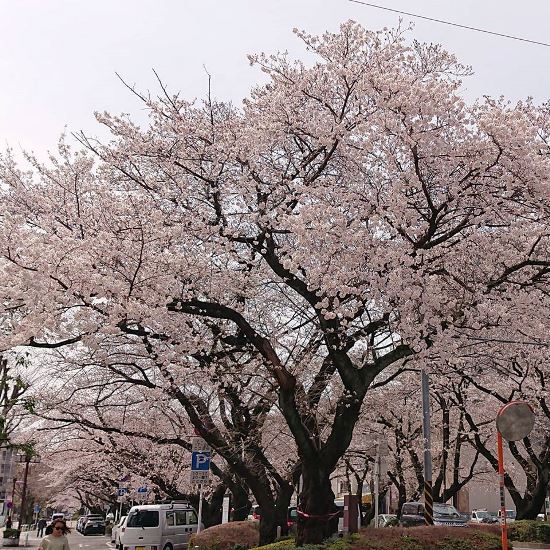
[58, 58]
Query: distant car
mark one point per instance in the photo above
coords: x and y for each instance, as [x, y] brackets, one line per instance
[483, 516]
[79, 523]
[385, 520]
[412, 513]
[510, 515]
[118, 530]
[94, 525]
[292, 517]
[254, 513]
[57, 515]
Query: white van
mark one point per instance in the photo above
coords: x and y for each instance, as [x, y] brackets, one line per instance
[159, 527]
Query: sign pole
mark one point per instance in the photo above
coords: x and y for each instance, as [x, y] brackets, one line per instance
[199, 520]
[514, 421]
[503, 528]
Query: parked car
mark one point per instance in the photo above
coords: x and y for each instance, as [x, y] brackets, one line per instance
[292, 517]
[254, 513]
[159, 527]
[118, 530]
[412, 513]
[482, 516]
[94, 525]
[79, 523]
[56, 516]
[387, 520]
[510, 515]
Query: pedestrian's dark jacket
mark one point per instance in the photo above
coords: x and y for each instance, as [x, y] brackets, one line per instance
[41, 523]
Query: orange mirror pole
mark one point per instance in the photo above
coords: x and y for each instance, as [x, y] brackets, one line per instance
[503, 529]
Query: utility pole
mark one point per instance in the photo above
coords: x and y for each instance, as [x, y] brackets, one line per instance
[22, 514]
[27, 458]
[428, 495]
[12, 512]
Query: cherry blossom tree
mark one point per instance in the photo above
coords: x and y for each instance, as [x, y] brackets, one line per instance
[353, 216]
[505, 379]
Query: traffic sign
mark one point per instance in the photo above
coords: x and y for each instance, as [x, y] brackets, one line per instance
[142, 489]
[122, 491]
[200, 461]
[36, 508]
[200, 476]
[198, 444]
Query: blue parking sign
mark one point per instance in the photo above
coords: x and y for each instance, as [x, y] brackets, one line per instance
[200, 461]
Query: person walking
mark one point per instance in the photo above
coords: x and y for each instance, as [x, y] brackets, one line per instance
[58, 539]
[8, 523]
[40, 526]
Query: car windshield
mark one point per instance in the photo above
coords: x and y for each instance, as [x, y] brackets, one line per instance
[445, 510]
[511, 514]
[483, 514]
[143, 518]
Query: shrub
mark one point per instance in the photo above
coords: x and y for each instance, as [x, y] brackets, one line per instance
[529, 531]
[235, 535]
[428, 538]
[11, 533]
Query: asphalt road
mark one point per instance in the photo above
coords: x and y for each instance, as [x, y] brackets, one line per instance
[76, 541]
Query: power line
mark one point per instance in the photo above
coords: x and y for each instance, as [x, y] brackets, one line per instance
[451, 24]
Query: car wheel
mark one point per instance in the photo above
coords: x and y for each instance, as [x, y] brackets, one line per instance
[168, 547]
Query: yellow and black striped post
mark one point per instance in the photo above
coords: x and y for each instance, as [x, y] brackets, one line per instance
[428, 503]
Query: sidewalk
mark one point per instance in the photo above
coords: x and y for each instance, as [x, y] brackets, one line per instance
[29, 538]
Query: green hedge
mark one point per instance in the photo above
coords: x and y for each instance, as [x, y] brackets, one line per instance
[415, 538]
[331, 544]
[526, 530]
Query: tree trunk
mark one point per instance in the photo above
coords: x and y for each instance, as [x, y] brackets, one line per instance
[283, 502]
[213, 515]
[268, 522]
[316, 521]
[240, 503]
[531, 504]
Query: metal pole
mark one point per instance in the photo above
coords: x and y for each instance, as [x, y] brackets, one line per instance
[428, 496]
[199, 519]
[376, 484]
[503, 528]
[12, 512]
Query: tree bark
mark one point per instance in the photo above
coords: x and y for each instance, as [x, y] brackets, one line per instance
[316, 519]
